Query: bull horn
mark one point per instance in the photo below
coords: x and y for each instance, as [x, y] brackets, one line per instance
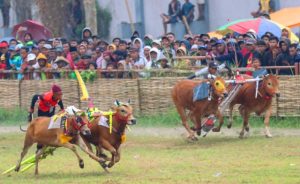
[117, 103]
[23, 130]
[73, 111]
[128, 101]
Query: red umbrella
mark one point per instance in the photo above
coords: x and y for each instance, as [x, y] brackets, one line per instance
[36, 29]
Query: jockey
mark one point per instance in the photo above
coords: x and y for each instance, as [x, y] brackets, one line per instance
[208, 73]
[47, 102]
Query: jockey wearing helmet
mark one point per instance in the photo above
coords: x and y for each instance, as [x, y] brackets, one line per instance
[47, 102]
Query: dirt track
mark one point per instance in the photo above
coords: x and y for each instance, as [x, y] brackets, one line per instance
[180, 132]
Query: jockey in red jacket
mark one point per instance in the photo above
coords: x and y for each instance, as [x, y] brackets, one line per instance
[47, 102]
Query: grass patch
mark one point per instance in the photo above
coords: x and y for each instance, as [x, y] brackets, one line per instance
[169, 119]
[149, 159]
[13, 116]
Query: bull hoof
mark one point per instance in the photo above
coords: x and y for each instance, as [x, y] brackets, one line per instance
[269, 136]
[192, 138]
[247, 129]
[110, 165]
[17, 169]
[199, 132]
[103, 165]
[241, 135]
[216, 129]
[229, 125]
[81, 164]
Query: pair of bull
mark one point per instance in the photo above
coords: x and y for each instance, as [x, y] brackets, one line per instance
[82, 133]
[182, 95]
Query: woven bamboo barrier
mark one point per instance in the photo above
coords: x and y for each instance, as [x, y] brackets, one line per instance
[148, 96]
[105, 91]
[31, 87]
[9, 93]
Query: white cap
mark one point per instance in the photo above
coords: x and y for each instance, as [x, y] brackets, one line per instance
[194, 46]
[19, 46]
[71, 109]
[147, 47]
[31, 57]
[154, 50]
[156, 41]
[47, 46]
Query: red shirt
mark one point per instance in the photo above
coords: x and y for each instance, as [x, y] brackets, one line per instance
[46, 102]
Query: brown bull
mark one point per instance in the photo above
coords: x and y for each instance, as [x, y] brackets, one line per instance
[38, 132]
[103, 139]
[268, 87]
[182, 95]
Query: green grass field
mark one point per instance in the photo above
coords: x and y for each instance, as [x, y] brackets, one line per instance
[157, 152]
[168, 159]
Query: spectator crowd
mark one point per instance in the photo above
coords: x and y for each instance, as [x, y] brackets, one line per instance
[55, 58]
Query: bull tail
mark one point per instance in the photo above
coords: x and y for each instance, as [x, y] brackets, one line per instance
[23, 130]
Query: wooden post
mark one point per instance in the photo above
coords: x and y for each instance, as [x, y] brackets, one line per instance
[130, 17]
[90, 15]
[297, 68]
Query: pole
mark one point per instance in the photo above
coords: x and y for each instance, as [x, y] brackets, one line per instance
[130, 16]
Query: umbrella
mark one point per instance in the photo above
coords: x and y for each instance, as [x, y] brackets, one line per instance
[36, 29]
[224, 29]
[289, 17]
[214, 34]
[259, 25]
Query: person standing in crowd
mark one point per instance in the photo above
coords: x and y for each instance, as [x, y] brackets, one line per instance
[138, 62]
[174, 10]
[287, 58]
[2, 65]
[4, 51]
[15, 61]
[87, 34]
[27, 66]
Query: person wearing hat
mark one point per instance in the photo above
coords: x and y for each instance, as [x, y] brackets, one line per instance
[59, 64]
[87, 34]
[221, 47]
[212, 69]
[75, 58]
[154, 55]
[138, 62]
[15, 61]
[28, 66]
[147, 55]
[2, 65]
[4, 50]
[163, 63]
[47, 102]
[156, 44]
[148, 40]
[181, 63]
[83, 64]
[82, 49]
[43, 66]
